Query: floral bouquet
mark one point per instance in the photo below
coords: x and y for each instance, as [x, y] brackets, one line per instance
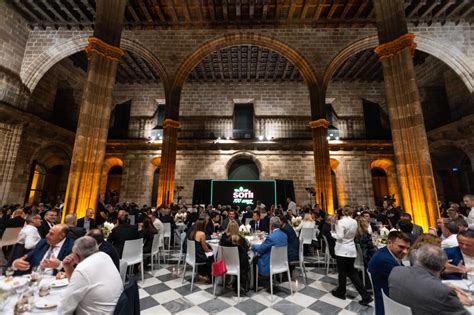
[296, 221]
[180, 217]
[107, 228]
[245, 230]
[384, 235]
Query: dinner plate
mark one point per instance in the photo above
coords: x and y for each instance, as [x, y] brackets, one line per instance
[45, 304]
[59, 283]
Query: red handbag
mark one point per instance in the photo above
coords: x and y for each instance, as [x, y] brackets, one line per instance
[219, 268]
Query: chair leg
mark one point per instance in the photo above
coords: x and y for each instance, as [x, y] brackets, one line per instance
[184, 271]
[215, 284]
[192, 277]
[289, 280]
[303, 270]
[152, 258]
[143, 271]
[281, 278]
[271, 287]
[256, 279]
[238, 288]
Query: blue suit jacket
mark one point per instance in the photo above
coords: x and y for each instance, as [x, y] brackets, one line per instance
[380, 267]
[36, 255]
[455, 256]
[277, 239]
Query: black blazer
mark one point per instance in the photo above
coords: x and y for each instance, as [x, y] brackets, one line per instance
[110, 250]
[43, 229]
[262, 225]
[92, 223]
[15, 222]
[122, 233]
[76, 232]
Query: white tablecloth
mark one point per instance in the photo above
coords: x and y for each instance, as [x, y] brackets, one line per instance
[54, 296]
[462, 284]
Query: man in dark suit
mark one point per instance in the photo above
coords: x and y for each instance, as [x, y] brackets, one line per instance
[383, 262]
[105, 246]
[420, 288]
[231, 215]
[258, 225]
[247, 214]
[192, 217]
[74, 231]
[167, 218]
[17, 219]
[417, 230]
[48, 253]
[121, 233]
[214, 223]
[49, 221]
[87, 221]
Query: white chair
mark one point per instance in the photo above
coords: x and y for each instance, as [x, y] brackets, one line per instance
[327, 255]
[232, 262]
[359, 262]
[155, 250]
[131, 218]
[133, 254]
[9, 237]
[191, 260]
[182, 239]
[123, 270]
[167, 233]
[300, 261]
[394, 308]
[161, 247]
[278, 264]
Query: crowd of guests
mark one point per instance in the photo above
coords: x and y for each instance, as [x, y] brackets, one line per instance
[444, 252]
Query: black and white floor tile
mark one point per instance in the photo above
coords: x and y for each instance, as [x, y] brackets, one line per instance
[163, 292]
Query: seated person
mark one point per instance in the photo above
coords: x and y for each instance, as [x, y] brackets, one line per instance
[277, 238]
[232, 238]
[29, 235]
[256, 224]
[326, 232]
[87, 221]
[147, 232]
[293, 241]
[74, 231]
[104, 246]
[199, 237]
[122, 232]
[420, 288]
[95, 285]
[231, 215]
[48, 253]
[214, 224]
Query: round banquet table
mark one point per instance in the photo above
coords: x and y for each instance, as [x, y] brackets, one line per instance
[54, 297]
[463, 285]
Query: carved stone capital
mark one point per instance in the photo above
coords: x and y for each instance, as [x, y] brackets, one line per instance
[396, 46]
[170, 123]
[104, 49]
[319, 123]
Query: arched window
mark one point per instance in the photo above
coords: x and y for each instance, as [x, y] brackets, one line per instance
[380, 185]
[114, 181]
[244, 169]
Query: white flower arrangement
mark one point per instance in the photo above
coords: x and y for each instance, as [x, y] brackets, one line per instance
[245, 230]
[180, 217]
[107, 229]
[296, 221]
[384, 234]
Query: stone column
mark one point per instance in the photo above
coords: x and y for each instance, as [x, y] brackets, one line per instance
[410, 143]
[168, 163]
[91, 136]
[10, 137]
[322, 165]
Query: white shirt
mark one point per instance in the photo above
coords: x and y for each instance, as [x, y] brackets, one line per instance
[450, 241]
[159, 226]
[94, 288]
[55, 253]
[346, 229]
[468, 261]
[292, 206]
[29, 236]
[470, 218]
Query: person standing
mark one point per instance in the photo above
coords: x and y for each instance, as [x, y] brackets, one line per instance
[346, 253]
[469, 203]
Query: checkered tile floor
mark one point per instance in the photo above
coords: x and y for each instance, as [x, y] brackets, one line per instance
[162, 292]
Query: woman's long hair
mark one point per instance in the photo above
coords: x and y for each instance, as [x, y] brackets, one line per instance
[149, 227]
[232, 228]
[362, 226]
[200, 225]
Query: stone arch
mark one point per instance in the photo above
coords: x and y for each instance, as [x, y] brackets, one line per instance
[390, 170]
[444, 143]
[451, 56]
[32, 74]
[243, 156]
[51, 154]
[284, 49]
[109, 162]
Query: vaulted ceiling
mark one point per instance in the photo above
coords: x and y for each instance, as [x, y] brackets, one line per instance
[238, 13]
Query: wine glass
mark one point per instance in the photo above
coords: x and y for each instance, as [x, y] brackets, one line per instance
[9, 272]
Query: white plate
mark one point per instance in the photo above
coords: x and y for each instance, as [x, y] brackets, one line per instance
[44, 304]
[59, 283]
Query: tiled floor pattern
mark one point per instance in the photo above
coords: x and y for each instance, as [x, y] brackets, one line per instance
[163, 292]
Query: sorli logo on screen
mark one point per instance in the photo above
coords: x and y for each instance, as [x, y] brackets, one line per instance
[243, 195]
